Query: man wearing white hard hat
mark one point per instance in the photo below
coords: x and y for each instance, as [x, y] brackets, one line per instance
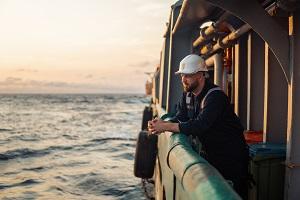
[204, 112]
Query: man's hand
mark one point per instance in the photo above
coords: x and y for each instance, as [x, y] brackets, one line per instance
[157, 126]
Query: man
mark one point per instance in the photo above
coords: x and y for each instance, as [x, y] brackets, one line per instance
[205, 112]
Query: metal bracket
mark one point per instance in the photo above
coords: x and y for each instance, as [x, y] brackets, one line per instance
[252, 13]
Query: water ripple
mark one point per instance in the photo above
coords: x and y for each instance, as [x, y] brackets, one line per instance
[22, 153]
[5, 130]
[36, 169]
[69, 146]
[26, 152]
[100, 140]
[23, 183]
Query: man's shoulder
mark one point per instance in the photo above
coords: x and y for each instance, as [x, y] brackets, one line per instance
[217, 95]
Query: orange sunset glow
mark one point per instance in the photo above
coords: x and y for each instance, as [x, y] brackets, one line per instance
[79, 46]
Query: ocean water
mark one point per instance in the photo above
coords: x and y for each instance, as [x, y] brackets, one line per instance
[69, 146]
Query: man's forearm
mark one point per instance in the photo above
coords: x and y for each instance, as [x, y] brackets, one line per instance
[172, 127]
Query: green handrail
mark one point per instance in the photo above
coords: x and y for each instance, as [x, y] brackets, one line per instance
[197, 177]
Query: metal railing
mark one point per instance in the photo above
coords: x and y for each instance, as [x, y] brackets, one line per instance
[186, 175]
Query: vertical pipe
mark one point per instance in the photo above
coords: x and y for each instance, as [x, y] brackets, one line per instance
[218, 69]
[293, 127]
[266, 93]
[236, 77]
[249, 65]
[240, 75]
[232, 75]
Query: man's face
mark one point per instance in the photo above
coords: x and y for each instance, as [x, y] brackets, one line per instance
[190, 81]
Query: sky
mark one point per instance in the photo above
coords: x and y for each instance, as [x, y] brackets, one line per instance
[80, 46]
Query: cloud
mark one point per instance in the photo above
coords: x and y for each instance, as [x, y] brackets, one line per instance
[19, 85]
[58, 84]
[89, 76]
[27, 70]
[12, 81]
[16, 82]
[144, 64]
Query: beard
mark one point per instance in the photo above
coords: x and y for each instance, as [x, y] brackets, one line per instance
[191, 87]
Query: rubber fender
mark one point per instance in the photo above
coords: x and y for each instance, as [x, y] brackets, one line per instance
[145, 155]
[147, 116]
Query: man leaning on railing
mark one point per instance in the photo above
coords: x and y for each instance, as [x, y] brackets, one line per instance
[204, 111]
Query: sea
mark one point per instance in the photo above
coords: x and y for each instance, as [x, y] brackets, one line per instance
[69, 146]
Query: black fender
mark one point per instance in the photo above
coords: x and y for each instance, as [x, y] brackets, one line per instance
[145, 155]
[147, 116]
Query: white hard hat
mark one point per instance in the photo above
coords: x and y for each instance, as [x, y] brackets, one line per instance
[192, 64]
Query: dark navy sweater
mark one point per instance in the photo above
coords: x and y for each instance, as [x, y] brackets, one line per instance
[216, 125]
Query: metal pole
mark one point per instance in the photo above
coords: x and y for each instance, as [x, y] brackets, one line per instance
[218, 69]
[292, 180]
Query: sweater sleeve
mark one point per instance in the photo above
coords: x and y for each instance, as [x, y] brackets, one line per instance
[211, 112]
